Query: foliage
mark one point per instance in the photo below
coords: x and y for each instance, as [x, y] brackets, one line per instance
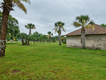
[104, 25]
[63, 38]
[30, 26]
[10, 3]
[50, 34]
[12, 25]
[41, 38]
[58, 26]
[83, 21]
[7, 6]
[24, 37]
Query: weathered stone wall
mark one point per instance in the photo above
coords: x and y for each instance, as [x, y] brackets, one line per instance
[73, 41]
[92, 41]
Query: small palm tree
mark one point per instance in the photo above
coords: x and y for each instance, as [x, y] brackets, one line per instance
[30, 26]
[58, 26]
[49, 33]
[83, 21]
[7, 6]
[22, 36]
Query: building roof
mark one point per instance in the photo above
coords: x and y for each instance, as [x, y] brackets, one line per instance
[97, 30]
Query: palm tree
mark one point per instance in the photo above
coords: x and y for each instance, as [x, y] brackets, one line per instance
[30, 26]
[7, 6]
[49, 33]
[22, 36]
[58, 26]
[84, 21]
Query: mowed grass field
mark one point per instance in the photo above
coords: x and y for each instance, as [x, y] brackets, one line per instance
[49, 61]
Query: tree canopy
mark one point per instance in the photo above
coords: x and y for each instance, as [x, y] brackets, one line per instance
[104, 25]
[12, 25]
[83, 21]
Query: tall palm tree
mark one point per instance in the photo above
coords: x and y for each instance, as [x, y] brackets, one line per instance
[83, 21]
[7, 6]
[58, 26]
[49, 33]
[30, 26]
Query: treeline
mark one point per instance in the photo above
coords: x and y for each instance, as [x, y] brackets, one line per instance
[13, 33]
[37, 37]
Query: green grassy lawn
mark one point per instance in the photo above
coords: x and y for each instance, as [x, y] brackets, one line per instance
[49, 61]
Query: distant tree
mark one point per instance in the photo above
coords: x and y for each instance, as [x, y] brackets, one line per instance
[23, 37]
[30, 26]
[83, 21]
[56, 38]
[49, 33]
[36, 35]
[104, 25]
[62, 37]
[53, 39]
[7, 6]
[58, 26]
[41, 38]
[44, 38]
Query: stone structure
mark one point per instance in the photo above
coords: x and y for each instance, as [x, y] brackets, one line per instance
[95, 39]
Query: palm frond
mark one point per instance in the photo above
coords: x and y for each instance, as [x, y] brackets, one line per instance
[89, 26]
[63, 29]
[55, 29]
[91, 22]
[20, 4]
[27, 1]
[83, 17]
[59, 24]
[56, 25]
[76, 24]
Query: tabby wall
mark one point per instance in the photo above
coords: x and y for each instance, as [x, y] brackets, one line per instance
[91, 41]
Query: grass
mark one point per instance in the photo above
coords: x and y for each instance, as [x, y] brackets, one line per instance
[49, 61]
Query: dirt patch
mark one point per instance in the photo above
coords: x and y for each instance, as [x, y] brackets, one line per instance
[15, 71]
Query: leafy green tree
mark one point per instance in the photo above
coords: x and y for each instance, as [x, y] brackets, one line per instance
[44, 38]
[36, 35]
[58, 26]
[104, 25]
[62, 37]
[41, 38]
[83, 21]
[7, 6]
[12, 25]
[30, 26]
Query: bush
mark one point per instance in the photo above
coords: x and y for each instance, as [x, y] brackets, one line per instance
[64, 41]
[53, 40]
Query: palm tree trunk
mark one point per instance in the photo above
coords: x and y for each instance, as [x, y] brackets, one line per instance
[22, 41]
[29, 31]
[4, 28]
[49, 38]
[83, 37]
[59, 37]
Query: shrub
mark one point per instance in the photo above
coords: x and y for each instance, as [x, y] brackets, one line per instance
[64, 41]
[53, 40]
